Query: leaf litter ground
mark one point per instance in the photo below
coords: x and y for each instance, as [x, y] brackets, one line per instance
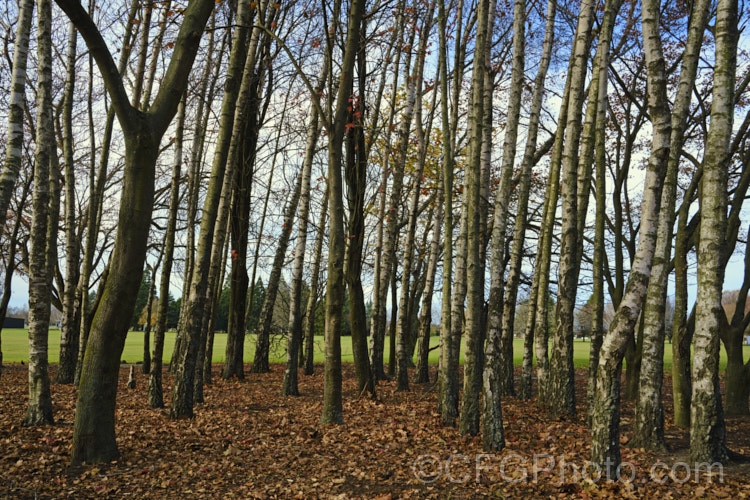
[248, 441]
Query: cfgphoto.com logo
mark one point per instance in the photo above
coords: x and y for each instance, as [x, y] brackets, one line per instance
[513, 468]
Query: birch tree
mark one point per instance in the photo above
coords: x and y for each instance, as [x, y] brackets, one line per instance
[14, 149]
[43, 234]
[561, 391]
[707, 428]
[469, 423]
[498, 369]
[649, 418]
[605, 426]
[514, 269]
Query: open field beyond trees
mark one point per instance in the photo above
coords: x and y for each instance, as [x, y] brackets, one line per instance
[16, 349]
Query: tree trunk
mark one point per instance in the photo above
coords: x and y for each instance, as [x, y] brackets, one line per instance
[605, 426]
[97, 182]
[14, 148]
[425, 320]
[10, 266]
[597, 320]
[240, 225]
[633, 362]
[514, 271]
[380, 284]
[681, 335]
[415, 103]
[262, 345]
[447, 380]
[737, 377]
[469, 421]
[155, 391]
[294, 331]
[544, 253]
[356, 181]
[39, 410]
[392, 216]
[70, 328]
[707, 428]
[313, 298]
[94, 433]
[392, 323]
[332, 399]
[498, 373]
[649, 418]
[216, 206]
[561, 390]
[149, 314]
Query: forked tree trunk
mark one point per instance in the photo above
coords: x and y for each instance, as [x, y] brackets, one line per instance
[97, 183]
[94, 429]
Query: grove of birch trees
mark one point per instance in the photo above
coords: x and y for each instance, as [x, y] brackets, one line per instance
[450, 175]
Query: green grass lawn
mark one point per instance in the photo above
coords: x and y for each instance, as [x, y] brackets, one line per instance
[15, 348]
